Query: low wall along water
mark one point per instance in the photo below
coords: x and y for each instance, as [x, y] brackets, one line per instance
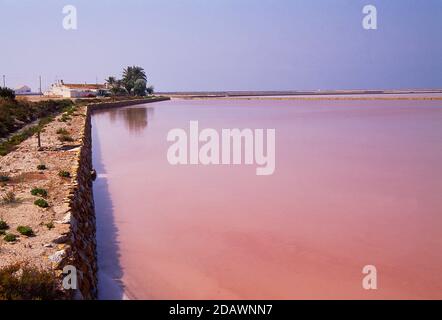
[82, 251]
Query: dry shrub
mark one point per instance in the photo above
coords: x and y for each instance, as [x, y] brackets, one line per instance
[24, 282]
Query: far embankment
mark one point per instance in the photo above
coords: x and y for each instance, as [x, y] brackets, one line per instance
[409, 94]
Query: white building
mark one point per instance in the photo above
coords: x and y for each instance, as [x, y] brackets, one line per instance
[72, 90]
[22, 90]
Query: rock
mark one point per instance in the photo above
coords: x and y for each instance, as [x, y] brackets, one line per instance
[48, 245]
[61, 239]
[66, 219]
[63, 229]
[93, 175]
[61, 209]
[58, 257]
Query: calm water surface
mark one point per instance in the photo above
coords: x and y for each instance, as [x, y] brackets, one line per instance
[356, 183]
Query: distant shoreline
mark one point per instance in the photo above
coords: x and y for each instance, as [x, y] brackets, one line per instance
[412, 94]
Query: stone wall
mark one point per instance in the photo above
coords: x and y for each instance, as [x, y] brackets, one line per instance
[81, 250]
[120, 104]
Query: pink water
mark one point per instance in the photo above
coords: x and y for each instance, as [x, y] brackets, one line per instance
[356, 183]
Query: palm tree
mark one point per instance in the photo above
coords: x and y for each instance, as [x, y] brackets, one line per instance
[131, 75]
[111, 81]
[115, 86]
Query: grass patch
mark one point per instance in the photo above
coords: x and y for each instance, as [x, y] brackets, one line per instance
[65, 118]
[9, 237]
[22, 282]
[64, 174]
[25, 230]
[39, 192]
[62, 131]
[70, 110]
[41, 203]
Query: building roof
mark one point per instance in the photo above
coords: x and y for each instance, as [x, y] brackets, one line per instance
[84, 86]
[23, 87]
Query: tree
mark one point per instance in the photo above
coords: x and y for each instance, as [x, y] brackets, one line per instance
[131, 75]
[150, 90]
[111, 81]
[115, 86]
[118, 90]
[140, 87]
[7, 93]
[134, 82]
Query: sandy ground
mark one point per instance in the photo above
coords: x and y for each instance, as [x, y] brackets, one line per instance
[21, 167]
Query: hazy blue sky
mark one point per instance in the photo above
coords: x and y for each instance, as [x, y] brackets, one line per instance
[225, 44]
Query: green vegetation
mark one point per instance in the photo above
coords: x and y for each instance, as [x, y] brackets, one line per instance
[140, 87]
[3, 225]
[150, 90]
[50, 225]
[65, 118]
[9, 198]
[22, 282]
[39, 192]
[41, 203]
[15, 114]
[62, 131]
[134, 82]
[41, 167]
[26, 231]
[116, 86]
[11, 144]
[64, 174]
[7, 93]
[64, 135]
[9, 237]
[130, 76]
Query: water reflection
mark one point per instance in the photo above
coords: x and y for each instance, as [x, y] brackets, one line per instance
[135, 119]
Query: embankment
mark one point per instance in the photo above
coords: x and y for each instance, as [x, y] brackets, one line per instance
[81, 252]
